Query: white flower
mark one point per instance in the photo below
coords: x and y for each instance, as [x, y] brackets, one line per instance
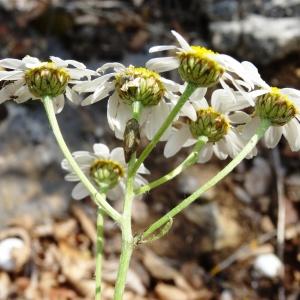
[30, 78]
[268, 265]
[202, 67]
[215, 122]
[282, 108]
[128, 85]
[106, 169]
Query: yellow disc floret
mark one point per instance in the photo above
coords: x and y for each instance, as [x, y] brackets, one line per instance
[199, 67]
[47, 80]
[276, 107]
[139, 84]
[106, 173]
[209, 123]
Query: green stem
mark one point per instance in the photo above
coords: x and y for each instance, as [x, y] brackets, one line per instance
[127, 237]
[264, 125]
[190, 160]
[48, 104]
[190, 88]
[99, 252]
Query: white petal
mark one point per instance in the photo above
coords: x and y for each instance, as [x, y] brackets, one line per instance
[99, 94]
[58, 103]
[189, 111]
[291, 131]
[92, 85]
[23, 94]
[72, 177]
[8, 91]
[182, 42]
[198, 94]
[79, 191]
[163, 64]
[72, 96]
[254, 75]
[117, 154]
[143, 170]
[176, 141]
[170, 85]
[220, 149]
[206, 153]
[65, 63]
[101, 150]
[200, 104]
[250, 128]
[11, 63]
[76, 74]
[156, 117]
[11, 75]
[272, 136]
[124, 113]
[239, 117]
[116, 66]
[31, 62]
[112, 109]
[162, 48]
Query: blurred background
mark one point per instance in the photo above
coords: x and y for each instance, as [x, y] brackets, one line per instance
[223, 246]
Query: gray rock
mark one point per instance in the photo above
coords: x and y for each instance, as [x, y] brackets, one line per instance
[257, 38]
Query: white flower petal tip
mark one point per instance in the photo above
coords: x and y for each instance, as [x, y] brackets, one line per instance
[183, 43]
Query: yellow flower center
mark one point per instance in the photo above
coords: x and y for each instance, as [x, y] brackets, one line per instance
[209, 123]
[199, 67]
[139, 84]
[47, 80]
[276, 107]
[106, 173]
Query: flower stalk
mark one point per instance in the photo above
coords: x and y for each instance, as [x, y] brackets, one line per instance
[127, 236]
[190, 160]
[109, 210]
[264, 125]
[190, 88]
[99, 252]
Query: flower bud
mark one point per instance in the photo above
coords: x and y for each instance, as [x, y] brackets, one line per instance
[276, 107]
[47, 80]
[106, 173]
[198, 67]
[139, 84]
[209, 123]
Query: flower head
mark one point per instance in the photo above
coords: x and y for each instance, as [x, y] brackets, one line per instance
[30, 78]
[126, 86]
[106, 169]
[202, 67]
[282, 108]
[216, 122]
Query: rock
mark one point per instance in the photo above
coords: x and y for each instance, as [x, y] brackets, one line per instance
[158, 267]
[293, 187]
[256, 37]
[268, 265]
[169, 292]
[257, 180]
[194, 177]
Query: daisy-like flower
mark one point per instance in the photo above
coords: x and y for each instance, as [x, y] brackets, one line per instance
[201, 67]
[282, 108]
[216, 123]
[106, 169]
[30, 78]
[129, 85]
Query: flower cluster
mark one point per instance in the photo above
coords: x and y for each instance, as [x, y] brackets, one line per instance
[141, 96]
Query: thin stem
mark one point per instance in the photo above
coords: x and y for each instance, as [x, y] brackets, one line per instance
[190, 160]
[127, 237]
[48, 104]
[264, 125]
[190, 88]
[99, 252]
